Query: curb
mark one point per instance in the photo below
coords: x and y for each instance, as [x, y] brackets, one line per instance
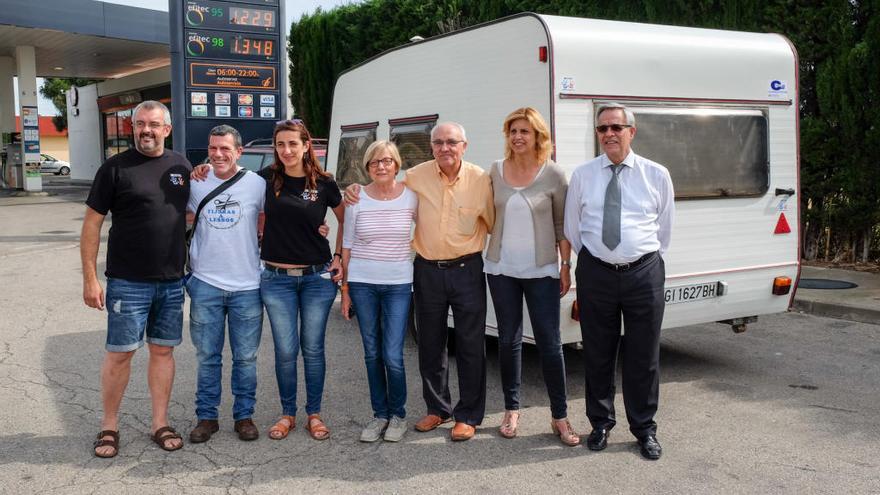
[862, 315]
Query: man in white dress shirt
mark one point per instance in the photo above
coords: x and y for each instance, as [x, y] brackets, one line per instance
[618, 218]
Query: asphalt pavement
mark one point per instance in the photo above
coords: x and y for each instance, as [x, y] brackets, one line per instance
[790, 406]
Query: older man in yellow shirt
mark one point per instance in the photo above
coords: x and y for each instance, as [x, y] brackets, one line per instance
[455, 214]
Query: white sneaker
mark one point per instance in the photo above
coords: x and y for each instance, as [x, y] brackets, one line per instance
[374, 429]
[396, 429]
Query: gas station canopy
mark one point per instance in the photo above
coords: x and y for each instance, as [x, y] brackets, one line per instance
[67, 38]
[85, 38]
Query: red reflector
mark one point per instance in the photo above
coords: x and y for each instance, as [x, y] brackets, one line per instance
[781, 286]
[782, 225]
[542, 53]
[575, 311]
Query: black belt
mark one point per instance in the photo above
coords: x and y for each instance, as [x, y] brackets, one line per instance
[296, 272]
[444, 264]
[622, 267]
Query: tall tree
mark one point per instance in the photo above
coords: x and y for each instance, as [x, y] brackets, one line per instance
[838, 44]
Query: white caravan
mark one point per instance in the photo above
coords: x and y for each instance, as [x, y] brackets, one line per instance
[718, 108]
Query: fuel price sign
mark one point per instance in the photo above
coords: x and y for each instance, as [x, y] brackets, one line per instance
[241, 17]
[227, 58]
[231, 46]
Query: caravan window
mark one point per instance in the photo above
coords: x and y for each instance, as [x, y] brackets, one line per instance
[413, 139]
[710, 152]
[353, 143]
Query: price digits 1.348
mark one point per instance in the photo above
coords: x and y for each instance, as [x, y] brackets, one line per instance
[250, 46]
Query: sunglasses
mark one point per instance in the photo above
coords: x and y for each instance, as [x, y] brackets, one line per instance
[602, 129]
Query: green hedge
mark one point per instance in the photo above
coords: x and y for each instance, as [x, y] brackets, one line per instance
[838, 43]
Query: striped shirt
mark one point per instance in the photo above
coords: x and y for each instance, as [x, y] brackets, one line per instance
[379, 234]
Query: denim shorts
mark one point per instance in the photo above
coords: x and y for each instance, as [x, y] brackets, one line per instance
[135, 308]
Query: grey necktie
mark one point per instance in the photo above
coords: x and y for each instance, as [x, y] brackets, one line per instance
[611, 214]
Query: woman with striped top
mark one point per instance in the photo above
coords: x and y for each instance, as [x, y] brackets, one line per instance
[378, 274]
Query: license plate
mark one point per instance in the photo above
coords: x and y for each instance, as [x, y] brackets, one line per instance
[690, 293]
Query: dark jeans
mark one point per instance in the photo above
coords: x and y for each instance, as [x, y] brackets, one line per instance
[606, 297]
[461, 287]
[542, 298]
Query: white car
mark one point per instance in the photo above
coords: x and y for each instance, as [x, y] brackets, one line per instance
[50, 164]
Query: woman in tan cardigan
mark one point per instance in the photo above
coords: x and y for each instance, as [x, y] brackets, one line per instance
[523, 260]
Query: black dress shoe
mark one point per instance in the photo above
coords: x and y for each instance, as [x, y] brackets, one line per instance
[597, 439]
[203, 431]
[247, 430]
[650, 447]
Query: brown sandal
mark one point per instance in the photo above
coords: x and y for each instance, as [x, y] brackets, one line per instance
[316, 428]
[509, 424]
[568, 436]
[112, 442]
[162, 440]
[282, 427]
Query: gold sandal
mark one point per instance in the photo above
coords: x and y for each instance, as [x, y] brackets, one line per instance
[566, 433]
[282, 427]
[509, 424]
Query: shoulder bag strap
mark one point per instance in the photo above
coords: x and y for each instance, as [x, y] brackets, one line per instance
[213, 194]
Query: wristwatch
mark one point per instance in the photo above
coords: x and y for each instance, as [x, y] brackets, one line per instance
[565, 263]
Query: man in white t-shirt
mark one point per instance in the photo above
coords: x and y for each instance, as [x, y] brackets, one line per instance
[225, 285]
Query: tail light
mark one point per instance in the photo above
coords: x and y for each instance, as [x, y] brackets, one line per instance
[575, 311]
[781, 286]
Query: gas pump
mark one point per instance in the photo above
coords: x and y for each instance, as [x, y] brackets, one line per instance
[12, 169]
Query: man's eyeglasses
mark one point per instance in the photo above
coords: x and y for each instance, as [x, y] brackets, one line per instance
[140, 124]
[449, 142]
[385, 162]
[602, 129]
[290, 122]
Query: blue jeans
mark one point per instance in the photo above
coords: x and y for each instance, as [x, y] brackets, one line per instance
[542, 297]
[135, 308]
[298, 308]
[210, 308]
[383, 342]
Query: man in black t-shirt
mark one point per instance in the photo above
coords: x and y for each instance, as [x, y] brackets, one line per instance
[146, 189]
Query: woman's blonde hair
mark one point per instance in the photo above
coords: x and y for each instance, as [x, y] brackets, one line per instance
[378, 147]
[543, 145]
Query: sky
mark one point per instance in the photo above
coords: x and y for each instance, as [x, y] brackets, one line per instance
[294, 9]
